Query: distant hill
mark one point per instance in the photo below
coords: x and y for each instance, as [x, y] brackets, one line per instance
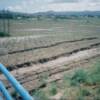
[49, 14]
[83, 13]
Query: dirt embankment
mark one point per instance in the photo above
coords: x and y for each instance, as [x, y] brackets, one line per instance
[31, 78]
[54, 64]
[43, 54]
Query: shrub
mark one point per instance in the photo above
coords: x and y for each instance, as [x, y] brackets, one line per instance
[53, 89]
[14, 94]
[40, 95]
[80, 76]
[85, 92]
[3, 34]
[94, 77]
[97, 98]
[98, 90]
[80, 98]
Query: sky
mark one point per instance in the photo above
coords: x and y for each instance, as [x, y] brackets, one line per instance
[31, 6]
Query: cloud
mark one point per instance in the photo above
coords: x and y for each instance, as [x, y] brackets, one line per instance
[73, 1]
[95, 0]
[56, 5]
[73, 6]
[64, 1]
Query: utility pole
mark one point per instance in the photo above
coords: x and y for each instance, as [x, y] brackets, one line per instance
[4, 23]
[8, 22]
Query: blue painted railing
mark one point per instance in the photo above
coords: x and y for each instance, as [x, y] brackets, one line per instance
[5, 92]
[1, 98]
[18, 87]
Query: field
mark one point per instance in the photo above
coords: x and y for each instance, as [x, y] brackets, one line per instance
[69, 27]
[40, 52]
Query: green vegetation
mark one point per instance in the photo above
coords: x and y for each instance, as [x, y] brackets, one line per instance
[15, 94]
[98, 91]
[79, 85]
[85, 80]
[40, 95]
[95, 75]
[53, 89]
[92, 77]
[43, 95]
[80, 76]
[85, 92]
[3, 34]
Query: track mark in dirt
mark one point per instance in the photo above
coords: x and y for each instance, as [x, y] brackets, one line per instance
[52, 45]
[45, 60]
[52, 72]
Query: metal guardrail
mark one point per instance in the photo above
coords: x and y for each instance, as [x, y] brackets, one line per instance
[18, 87]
